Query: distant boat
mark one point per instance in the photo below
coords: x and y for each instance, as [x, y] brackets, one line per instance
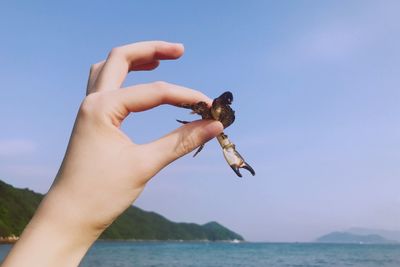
[235, 241]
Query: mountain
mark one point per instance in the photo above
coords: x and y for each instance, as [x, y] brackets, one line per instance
[388, 234]
[135, 223]
[17, 207]
[344, 237]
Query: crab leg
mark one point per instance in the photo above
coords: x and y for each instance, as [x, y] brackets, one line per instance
[234, 159]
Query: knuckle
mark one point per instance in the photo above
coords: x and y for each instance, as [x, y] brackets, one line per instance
[116, 52]
[186, 145]
[88, 104]
[160, 85]
[92, 104]
[163, 89]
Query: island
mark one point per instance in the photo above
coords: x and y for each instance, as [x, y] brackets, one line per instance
[17, 207]
[350, 238]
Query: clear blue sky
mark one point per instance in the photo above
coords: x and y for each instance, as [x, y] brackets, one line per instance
[316, 87]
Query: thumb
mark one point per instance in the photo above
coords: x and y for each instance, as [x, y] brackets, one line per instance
[184, 140]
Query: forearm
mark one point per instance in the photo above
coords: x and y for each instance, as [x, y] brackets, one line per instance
[54, 237]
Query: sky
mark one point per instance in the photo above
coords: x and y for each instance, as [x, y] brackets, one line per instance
[316, 89]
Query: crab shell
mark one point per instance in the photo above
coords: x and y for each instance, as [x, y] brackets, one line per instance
[220, 109]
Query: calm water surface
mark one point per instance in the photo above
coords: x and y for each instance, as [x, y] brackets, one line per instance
[139, 254]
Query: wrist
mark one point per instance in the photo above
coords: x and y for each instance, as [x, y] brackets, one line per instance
[57, 235]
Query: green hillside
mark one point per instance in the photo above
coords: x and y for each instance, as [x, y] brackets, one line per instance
[18, 205]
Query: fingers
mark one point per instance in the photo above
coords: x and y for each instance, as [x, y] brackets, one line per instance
[137, 56]
[96, 68]
[183, 141]
[146, 96]
[94, 72]
[147, 66]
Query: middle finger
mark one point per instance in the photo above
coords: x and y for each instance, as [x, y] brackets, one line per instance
[125, 58]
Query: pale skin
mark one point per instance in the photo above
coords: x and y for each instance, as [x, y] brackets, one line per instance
[104, 171]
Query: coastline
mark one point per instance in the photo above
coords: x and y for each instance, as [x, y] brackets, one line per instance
[172, 240]
[8, 239]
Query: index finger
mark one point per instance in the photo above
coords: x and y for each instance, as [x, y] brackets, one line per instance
[146, 96]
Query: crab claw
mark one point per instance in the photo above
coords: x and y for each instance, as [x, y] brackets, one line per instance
[235, 160]
[249, 168]
[236, 170]
[246, 166]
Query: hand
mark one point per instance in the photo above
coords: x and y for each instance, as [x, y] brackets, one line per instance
[103, 171]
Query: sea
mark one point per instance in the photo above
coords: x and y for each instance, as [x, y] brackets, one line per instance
[221, 254]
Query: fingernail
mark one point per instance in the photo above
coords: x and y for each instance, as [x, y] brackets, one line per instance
[180, 44]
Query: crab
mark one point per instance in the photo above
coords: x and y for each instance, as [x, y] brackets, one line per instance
[220, 110]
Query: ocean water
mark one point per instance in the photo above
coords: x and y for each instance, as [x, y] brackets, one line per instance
[123, 254]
